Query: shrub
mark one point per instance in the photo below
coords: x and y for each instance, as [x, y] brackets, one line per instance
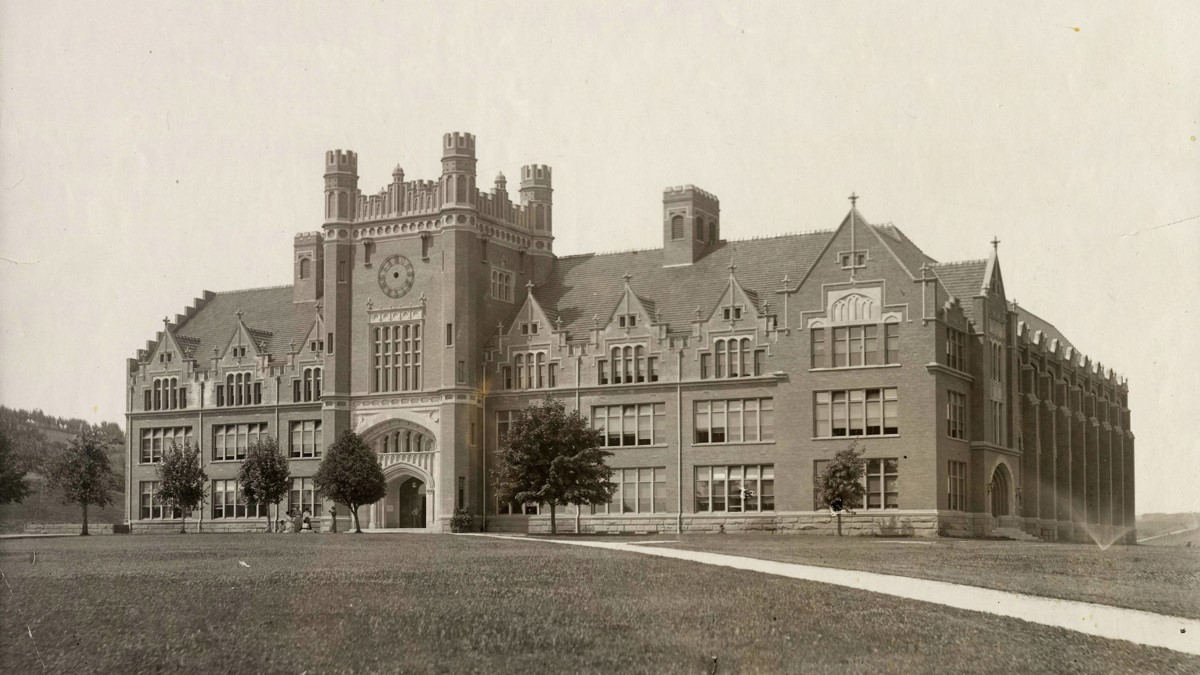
[462, 521]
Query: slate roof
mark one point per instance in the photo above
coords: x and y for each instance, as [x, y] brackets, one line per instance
[909, 254]
[269, 313]
[583, 286]
[963, 280]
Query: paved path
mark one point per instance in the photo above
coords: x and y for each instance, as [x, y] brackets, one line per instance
[1117, 623]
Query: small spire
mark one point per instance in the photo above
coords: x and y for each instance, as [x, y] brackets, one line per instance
[995, 244]
[853, 200]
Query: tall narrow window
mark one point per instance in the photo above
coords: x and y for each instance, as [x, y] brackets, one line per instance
[397, 357]
[677, 227]
[449, 335]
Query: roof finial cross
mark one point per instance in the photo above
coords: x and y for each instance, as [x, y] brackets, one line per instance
[529, 285]
[853, 200]
[627, 276]
[732, 268]
[995, 243]
[239, 315]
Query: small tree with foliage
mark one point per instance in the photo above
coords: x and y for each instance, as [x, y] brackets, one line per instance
[83, 474]
[350, 474]
[181, 481]
[554, 458]
[840, 484]
[13, 487]
[264, 475]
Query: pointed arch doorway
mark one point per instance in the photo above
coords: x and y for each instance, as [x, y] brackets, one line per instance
[407, 453]
[1000, 492]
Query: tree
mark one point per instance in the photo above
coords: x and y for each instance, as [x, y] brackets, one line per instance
[181, 480]
[840, 484]
[264, 475]
[554, 458]
[350, 474]
[13, 487]
[83, 473]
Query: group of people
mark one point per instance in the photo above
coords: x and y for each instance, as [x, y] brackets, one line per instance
[295, 522]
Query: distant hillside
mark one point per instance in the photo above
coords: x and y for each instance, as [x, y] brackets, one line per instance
[36, 436]
[1156, 524]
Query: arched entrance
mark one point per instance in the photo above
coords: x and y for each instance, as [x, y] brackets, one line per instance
[407, 452]
[1000, 489]
[404, 505]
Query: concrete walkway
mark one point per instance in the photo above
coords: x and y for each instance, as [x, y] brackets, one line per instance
[1116, 623]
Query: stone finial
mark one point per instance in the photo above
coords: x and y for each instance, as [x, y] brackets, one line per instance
[529, 285]
[370, 304]
[698, 312]
[239, 315]
[558, 323]
[995, 244]
[853, 200]
[627, 276]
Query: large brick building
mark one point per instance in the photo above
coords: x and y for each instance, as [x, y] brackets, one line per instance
[724, 373]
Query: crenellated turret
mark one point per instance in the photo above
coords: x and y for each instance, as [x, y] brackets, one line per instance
[691, 224]
[537, 198]
[341, 185]
[458, 170]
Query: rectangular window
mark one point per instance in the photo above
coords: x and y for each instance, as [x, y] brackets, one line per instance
[735, 489]
[705, 366]
[956, 486]
[230, 441]
[461, 371]
[955, 349]
[506, 375]
[303, 496]
[882, 484]
[504, 420]
[307, 439]
[602, 371]
[151, 507]
[462, 492]
[642, 490]
[891, 340]
[156, 441]
[341, 271]
[631, 425]
[397, 357]
[750, 420]
[449, 335]
[220, 395]
[856, 412]
[956, 415]
[229, 502]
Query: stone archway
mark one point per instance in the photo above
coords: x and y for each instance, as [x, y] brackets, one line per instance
[407, 452]
[1000, 492]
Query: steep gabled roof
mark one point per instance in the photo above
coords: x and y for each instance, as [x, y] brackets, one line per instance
[1035, 323]
[907, 252]
[268, 312]
[582, 286]
[963, 280]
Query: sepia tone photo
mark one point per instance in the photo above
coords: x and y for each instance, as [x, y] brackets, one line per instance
[584, 337]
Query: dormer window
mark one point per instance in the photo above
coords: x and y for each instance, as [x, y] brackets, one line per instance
[732, 313]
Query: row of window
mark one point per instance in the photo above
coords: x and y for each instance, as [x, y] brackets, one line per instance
[228, 501]
[881, 482]
[530, 370]
[397, 357]
[231, 441]
[627, 365]
[165, 394]
[308, 386]
[855, 346]
[239, 389]
[733, 357]
[856, 412]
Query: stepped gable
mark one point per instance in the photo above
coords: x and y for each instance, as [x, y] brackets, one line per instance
[269, 313]
[963, 280]
[584, 286]
[1034, 323]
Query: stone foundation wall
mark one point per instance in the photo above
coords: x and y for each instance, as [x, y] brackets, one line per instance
[878, 524]
[67, 528]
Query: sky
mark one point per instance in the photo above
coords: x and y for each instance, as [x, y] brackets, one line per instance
[150, 152]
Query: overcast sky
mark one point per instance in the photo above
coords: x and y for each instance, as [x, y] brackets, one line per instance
[152, 152]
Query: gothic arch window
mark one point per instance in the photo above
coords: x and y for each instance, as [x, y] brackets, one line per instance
[852, 308]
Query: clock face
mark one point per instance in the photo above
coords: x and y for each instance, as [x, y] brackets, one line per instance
[396, 276]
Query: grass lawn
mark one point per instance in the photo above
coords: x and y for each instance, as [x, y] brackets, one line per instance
[437, 603]
[1154, 579]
